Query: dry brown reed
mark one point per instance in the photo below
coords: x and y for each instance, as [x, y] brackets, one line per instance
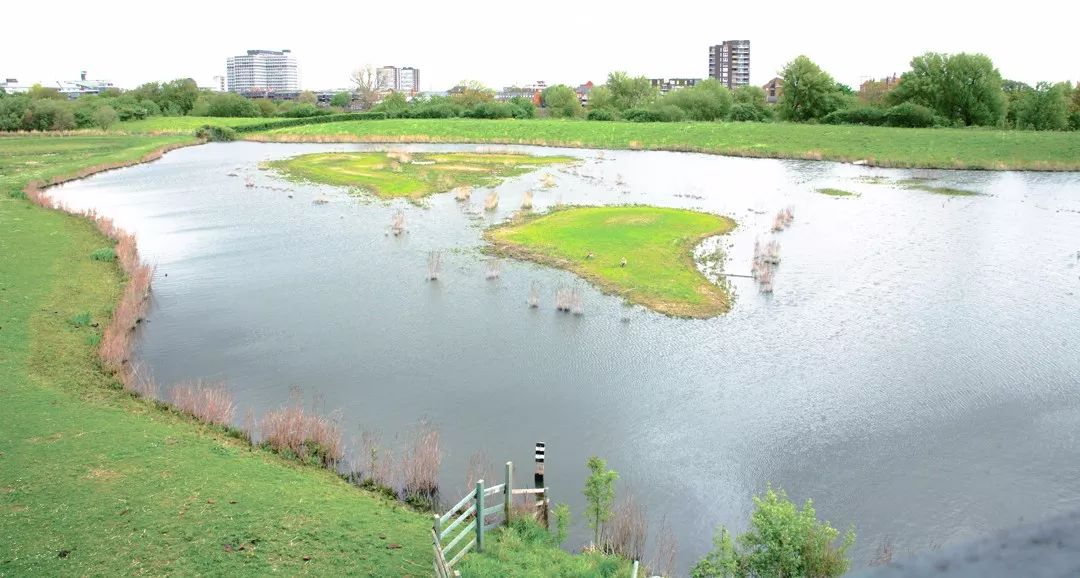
[534, 295]
[478, 467]
[548, 181]
[462, 193]
[527, 201]
[304, 433]
[491, 202]
[400, 156]
[375, 463]
[208, 402]
[434, 265]
[397, 223]
[141, 382]
[884, 554]
[667, 549]
[494, 268]
[625, 534]
[420, 463]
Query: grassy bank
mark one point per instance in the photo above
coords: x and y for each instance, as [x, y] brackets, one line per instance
[96, 482]
[400, 174]
[527, 550]
[657, 244]
[878, 146]
[178, 124]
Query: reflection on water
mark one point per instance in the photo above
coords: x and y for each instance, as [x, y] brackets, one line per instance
[915, 371]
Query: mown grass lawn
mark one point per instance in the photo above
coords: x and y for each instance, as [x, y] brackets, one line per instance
[415, 175]
[879, 146]
[657, 244]
[96, 482]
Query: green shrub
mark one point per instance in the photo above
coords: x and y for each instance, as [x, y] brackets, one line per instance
[283, 123]
[661, 113]
[910, 115]
[489, 110]
[104, 254]
[216, 133]
[708, 100]
[745, 112]
[304, 110]
[601, 114]
[1074, 120]
[867, 115]
[80, 320]
[436, 110]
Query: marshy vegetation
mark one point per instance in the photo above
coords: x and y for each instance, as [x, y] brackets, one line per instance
[836, 192]
[644, 254]
[434, 265]
[412, 175]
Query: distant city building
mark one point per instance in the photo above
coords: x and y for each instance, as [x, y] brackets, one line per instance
[76, 88]
[667, 85]
[393, 79]
[583, 92]
[729, 62]
[772, 89]
[263, 73]
[12, 86]
[219, 82]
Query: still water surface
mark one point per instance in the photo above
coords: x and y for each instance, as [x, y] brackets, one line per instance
[916, 372]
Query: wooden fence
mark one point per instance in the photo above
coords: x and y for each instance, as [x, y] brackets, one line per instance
[463, 526]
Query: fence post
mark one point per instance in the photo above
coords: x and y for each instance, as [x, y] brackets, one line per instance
[480, 515]
[633, 572]
[508, 488]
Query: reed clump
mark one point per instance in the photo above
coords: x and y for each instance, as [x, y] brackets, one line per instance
[527, 201]
[491, 202]
[463, 193]
[397, 223]
[534, 295]
[626, 533]
[434, 264]
[420, 466]
[306, 434]
[208, 402]
[494, 268]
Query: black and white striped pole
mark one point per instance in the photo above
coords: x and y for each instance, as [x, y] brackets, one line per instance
[538, 480]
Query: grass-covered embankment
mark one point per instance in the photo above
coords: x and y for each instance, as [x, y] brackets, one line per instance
[96, 482]
[877, 146]
[527, 550]
[657, 244]
[179, 124]
[411, 175]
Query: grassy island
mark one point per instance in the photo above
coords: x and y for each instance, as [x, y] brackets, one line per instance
[411, 175]
[657, 244]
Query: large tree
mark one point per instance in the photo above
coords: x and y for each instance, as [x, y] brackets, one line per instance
[179, 95]
[367, 86]
[630, 92]
[561, 101]
[964, 88]
[1044, 108]
[809, 92]
[707, 100]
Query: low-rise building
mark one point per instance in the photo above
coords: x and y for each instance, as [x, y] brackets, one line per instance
[12, 86]
[75, 88]
[667, 85]
[583, 92]
[772, 89]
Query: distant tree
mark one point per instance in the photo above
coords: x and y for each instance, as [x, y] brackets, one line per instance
[105, 116]
[522, 107]
[561, 101]
[393, 105]
[600, 495]
[707, 100]
[341, 99]
[178, 95]
[230, 104]
[600, 98]
[630, 92]
[267, 107]
[749, 104]
[367, 86]
[963, 88]
[12, 110]
[469, 93]
[307, 97]
[844, 89]
[875, 92]
[1044, 108]
[809, 92]
[38, 92]
[782, 541]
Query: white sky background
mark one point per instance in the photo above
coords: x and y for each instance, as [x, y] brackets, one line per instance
[503, 43]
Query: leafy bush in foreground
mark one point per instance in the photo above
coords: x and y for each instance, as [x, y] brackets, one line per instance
[909, 115]
[782, 541]
[868, 115]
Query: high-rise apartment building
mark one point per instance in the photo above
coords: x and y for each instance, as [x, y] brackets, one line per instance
[391, 78]
[729, 62]
[263, 72]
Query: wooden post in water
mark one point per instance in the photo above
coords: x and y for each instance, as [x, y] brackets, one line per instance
[538, 477]
[480, 515]
[508, 493]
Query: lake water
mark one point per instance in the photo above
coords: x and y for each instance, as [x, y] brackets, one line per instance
[916, 373]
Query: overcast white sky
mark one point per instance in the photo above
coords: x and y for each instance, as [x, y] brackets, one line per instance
[502, 43]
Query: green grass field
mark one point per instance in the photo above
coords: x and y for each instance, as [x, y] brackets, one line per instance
[96, 482]
[399, 174]
[879, 146]
[656, 242]
[178, 124]
[527, 550]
